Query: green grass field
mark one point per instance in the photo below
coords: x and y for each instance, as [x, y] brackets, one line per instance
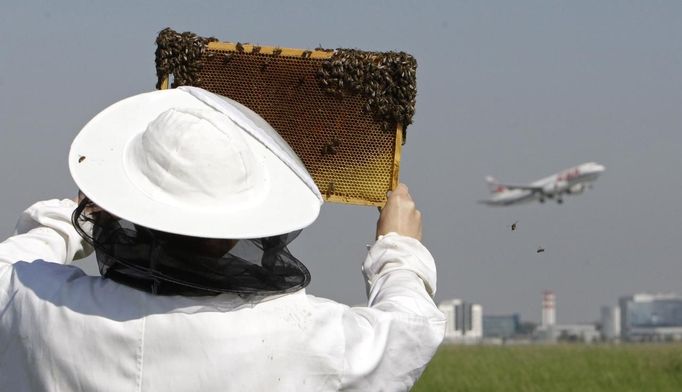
[542, 368]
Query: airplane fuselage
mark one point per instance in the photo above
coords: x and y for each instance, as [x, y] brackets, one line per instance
[570, 181]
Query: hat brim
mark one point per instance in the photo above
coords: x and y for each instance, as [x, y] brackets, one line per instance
[96, 163]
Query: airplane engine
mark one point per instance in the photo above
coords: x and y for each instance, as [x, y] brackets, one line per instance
[576, 189]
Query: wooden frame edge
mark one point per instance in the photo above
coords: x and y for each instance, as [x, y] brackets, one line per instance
[248, 48]
[165, 83]
[397, 154]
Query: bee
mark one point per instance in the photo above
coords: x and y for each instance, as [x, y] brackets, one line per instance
[306, 54]
[331, 148]
[540, 249]
[256, 49]
[328, 149]
[239, 47]
[226, 58]
[330, 189]
[276, 51]
[321, 49]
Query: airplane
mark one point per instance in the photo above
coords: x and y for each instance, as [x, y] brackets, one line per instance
[566, 182]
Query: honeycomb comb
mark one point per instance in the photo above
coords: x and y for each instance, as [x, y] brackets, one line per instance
[343, 112]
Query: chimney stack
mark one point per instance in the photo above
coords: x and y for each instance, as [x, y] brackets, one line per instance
[548, 308]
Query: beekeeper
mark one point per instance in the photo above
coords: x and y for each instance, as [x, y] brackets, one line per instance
[189, 200]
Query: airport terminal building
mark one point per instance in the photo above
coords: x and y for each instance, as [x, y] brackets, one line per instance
[464, 321]
[501, 326]
[651, 317]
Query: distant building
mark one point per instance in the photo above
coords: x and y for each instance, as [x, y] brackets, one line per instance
[448, 308]
[610, 323]
[651, 317]
[501, 326]
[464, 321]
[546, 332]
[548, 308]
[475, 329]
[549, 331]
[580, 333]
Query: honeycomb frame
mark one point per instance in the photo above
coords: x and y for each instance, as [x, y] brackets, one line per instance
[348, 152]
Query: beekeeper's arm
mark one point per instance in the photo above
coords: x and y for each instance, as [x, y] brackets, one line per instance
[389, 343]
[44, 232]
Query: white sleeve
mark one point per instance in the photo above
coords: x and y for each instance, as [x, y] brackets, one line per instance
[390, 342]
[44, 232]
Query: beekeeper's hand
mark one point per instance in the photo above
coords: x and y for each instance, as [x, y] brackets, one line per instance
[400, 215]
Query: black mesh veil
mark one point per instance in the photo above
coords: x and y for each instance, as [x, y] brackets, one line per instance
[170, 264]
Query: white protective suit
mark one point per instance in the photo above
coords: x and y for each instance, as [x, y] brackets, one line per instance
[61, 330]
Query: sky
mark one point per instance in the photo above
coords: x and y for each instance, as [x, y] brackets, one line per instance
[518, 90]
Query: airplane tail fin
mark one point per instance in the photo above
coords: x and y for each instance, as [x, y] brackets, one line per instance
[493, 185]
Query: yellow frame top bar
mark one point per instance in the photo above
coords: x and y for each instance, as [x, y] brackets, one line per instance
[248, 48]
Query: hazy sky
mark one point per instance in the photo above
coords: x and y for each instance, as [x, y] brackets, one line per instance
[516, 89]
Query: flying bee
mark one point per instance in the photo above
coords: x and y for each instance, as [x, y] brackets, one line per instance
[81, 158]
[513, 226]
[540, 249]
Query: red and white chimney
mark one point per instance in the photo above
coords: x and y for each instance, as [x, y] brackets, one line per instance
[548, 308]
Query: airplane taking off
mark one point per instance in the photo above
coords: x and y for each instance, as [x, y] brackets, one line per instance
[567, 182]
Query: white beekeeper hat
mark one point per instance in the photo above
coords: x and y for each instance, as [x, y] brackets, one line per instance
[190, 162]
